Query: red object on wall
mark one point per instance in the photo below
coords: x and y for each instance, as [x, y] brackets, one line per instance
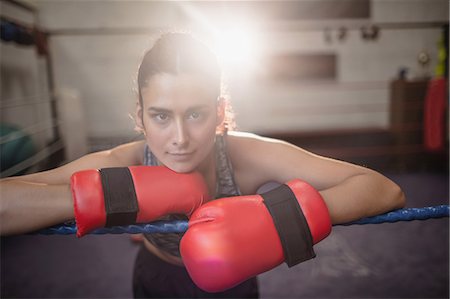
[434, 115]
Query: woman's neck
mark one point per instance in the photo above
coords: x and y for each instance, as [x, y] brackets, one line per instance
[208, 170]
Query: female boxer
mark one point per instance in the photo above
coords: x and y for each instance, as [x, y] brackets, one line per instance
[184, 118]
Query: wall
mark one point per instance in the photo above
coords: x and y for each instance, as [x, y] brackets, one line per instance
[97, 47]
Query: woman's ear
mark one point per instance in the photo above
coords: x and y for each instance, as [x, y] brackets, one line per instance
[221, 106]
[139, 120]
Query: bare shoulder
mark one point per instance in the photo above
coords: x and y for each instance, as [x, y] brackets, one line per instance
[247, 147]
[128, 154]
[243, 146]
[250, 155]
[258, 160]
[121, 156]
[242, 138]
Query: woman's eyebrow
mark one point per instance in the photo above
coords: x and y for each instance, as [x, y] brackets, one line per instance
[198, 107]
[158, 110]
[165, 110]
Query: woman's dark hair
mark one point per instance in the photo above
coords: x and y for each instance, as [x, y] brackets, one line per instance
[177, 53]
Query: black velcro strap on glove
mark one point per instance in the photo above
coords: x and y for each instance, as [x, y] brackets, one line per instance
[121, 204]
[290, 224]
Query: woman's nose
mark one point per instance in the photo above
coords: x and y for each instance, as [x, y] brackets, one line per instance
[180, 137]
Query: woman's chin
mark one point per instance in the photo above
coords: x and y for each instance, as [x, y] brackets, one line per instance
[181, 167]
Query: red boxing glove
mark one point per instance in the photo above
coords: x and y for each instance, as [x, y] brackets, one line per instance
[230, 240]
[136, 194]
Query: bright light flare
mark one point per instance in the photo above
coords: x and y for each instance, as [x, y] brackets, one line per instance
[233, 36]
[236, 47]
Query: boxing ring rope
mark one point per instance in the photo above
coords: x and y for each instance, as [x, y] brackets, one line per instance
[179, 226]
[39, 156]
[46, 146]
[31, 130]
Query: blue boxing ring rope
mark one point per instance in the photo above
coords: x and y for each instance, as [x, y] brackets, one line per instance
[179, 226]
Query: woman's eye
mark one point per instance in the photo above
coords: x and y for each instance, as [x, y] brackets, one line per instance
[194, 115]
[161, 117]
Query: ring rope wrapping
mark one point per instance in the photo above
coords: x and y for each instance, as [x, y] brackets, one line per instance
[180, 226]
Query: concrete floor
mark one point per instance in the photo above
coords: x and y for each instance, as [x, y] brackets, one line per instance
[401, 260]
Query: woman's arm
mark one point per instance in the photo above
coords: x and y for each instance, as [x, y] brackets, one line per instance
[39, 200]
[27, 206]
[362, 195]
[350, 191]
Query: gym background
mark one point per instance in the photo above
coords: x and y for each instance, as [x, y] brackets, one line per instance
[356, 80]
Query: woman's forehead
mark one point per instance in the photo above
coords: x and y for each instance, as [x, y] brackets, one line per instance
[190, 87]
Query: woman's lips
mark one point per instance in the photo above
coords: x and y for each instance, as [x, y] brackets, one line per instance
[181, 156]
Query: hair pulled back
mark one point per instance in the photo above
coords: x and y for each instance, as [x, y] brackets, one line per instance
[181, 53]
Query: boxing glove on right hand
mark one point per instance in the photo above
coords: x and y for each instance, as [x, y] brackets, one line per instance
[135, 194]
[230, 240]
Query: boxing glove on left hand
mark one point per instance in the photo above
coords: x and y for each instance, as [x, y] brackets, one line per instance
[135, 194]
